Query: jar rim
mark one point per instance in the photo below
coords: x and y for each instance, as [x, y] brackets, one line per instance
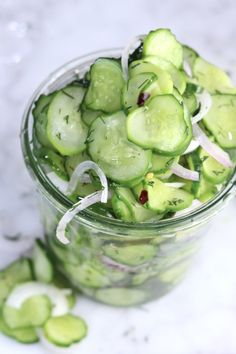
[200, 214]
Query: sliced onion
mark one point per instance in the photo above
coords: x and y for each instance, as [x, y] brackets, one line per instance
[187, 68]
[195, 204]
[58, 182]
[71, 213]
[175, 184]
[214, 150]
[79, 172]
[121, 267]
[194, 144]
[185, 173]
[205, 101]
[24, 291]
[126, 52]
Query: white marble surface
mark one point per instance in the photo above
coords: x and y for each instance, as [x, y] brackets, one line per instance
[199, 317]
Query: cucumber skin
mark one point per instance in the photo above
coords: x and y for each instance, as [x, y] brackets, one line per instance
[42, 266]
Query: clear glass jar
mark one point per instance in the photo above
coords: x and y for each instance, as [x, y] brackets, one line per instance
[114, 262]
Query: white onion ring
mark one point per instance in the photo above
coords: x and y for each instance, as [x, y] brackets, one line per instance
[194, 144]
[213, 150]
[187, 68]
[79, 172]
[205, 101]
[185, 173]
[126, 52]
[57, 181]
[175, 184]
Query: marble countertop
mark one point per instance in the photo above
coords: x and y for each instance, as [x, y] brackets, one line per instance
[199, 316]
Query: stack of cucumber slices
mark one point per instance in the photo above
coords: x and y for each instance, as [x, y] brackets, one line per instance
[159, 122]
[36, 303]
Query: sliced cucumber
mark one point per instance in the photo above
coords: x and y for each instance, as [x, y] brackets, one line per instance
[189, 55]
[42, 266]
[165, 82]
[65, 129]
[104, 92]
[121, 296]
[134, 87]
[121, 160]
[55, 161]
[162, 125]
[162, 198]
[18, 272]
[23, 335]
[163, 44]
[191, 102]
[34, 312]
[177, 76]
[40, 119]
[211, 77]
[212, 170]
[65, 330]
[161, 164]
[89, 116]
[221, 120]
[130, 255]
[137, 213]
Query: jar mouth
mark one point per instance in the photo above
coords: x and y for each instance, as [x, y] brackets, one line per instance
[56, 80]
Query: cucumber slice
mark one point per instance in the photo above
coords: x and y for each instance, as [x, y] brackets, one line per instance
[65, 129]
[55, 161]
[42, 266]
[121, 160]
[177, 76]
[34, 312]
[121, 296]
[142, 66]
[162, 43]
[212, 170]
[177, 95]
[211, 77]
[220, 120]
[130, 255]
[189, 55]
[16, 273]
[162, 125]
[162, 198]
[134, 87]
[161, 164]
[65, 330]
[40, 119]
[105, 89]
[23, 335]
[191, 102]
[136, 212]
[89, 116]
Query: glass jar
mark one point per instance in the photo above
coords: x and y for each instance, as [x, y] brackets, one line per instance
[112, 261]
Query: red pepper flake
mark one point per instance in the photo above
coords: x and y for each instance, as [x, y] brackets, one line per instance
[143, 96]
[143, 198]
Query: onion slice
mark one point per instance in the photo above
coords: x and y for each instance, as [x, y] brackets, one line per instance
[185, 173]
[205, 101]
[194, 144]
[214, 150]
[175, 184]
[57, 181]
[79, 172]
[126, 52]
[187, 68]
[195, 204]
[71, 213]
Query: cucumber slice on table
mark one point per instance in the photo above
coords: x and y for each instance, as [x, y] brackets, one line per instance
[177, 76]
[40, 119]
[124, 199]
[121, 296]
[34, 312]
[162, 125]
[121, 160]
[211, 77]
[163, 44]
[162, 198]
[55, 161]
[130, 255]
[42, 266]
[18, 272]
[65, 128]
[212, 170]
[26, 335]
[164, 80]
[106, 84]
[65, 330]
[221, 120]
[134, 87]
